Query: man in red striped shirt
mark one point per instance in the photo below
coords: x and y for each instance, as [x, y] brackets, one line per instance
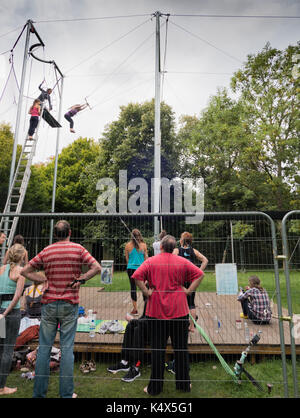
[62, 263]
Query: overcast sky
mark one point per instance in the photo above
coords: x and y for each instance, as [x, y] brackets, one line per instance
[111, 61]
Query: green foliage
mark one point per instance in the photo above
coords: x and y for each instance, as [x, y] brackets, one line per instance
[247, 150]
[214, 145]
[295, 226]
[6, 147]
[241, 229]
[128, 144]
[72, 162]
[270, 98]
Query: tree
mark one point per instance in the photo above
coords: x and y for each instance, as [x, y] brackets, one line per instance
[128, 144]
[6, 147]
[247, 149]
[72, 161]
[269, 94]
[214, 145]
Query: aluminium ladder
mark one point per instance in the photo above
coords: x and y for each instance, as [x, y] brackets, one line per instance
[17, 191]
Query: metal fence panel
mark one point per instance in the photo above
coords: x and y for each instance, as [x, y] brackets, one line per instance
[246, 240]
[291, 254]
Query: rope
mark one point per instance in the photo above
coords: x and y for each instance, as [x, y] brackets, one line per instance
[108, 45]
[207, 42]
[90, 18]
[123, 62]
[213, 347]
[12, 70]
[241, 16]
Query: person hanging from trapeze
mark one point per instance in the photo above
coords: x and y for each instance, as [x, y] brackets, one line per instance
[35, 112]
[45, 95]
[73, 110]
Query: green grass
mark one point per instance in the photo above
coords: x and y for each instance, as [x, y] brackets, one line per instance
[209, 380]
[121, 283]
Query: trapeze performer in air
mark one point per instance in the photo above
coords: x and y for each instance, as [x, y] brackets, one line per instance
[73, 110]
[45, 95]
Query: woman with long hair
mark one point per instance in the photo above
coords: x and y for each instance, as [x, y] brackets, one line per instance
[35, 112]
[135, 253]
[255, 302]
[11, 289]
[187, 251]
[72, 111]
[18, 239]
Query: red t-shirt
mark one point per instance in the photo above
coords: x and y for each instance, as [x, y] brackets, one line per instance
[166, 274]
[62, 263]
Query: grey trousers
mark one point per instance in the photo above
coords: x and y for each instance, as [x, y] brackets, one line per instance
[12, 322]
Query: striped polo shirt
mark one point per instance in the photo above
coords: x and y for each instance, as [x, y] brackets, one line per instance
[62, 262]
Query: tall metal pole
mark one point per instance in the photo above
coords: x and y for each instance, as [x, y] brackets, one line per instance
[157, 133]
[20, 102]
[17, 128]
[56, 161]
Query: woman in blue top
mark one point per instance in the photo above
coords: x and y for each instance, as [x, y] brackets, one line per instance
[11, 288]
[135, 253]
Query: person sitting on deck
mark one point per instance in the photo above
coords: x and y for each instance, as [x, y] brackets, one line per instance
[255, 302]
[135, 338]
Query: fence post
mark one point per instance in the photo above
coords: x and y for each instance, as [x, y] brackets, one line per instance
[289, 298]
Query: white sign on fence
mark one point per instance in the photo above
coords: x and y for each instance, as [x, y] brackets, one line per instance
[226, 278]
[107, 271]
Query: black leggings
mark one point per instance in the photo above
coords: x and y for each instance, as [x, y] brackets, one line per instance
[33, 123]
[132, 285]
[191, 297]
[135, 339]
[69, 119]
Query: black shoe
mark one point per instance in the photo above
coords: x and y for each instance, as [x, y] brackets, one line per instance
[131, 375]
[120, 367]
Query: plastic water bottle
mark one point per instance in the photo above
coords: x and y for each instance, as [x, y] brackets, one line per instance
[92, 324]
[217, 324]
[247, 333]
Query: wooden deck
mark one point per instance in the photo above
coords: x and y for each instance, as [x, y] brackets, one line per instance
[229, 340]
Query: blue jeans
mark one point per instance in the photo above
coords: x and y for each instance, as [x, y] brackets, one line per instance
[53, 314]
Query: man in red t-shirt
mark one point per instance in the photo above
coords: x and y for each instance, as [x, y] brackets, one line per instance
[62, 263]
[167, 310]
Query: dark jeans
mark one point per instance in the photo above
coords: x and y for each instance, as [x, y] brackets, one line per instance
[33, 123]
[135, 339]
[160, 330]
[7, 345]
[70, 120]
[247, 312]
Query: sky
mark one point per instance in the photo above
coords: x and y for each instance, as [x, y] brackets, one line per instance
[106, 52]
